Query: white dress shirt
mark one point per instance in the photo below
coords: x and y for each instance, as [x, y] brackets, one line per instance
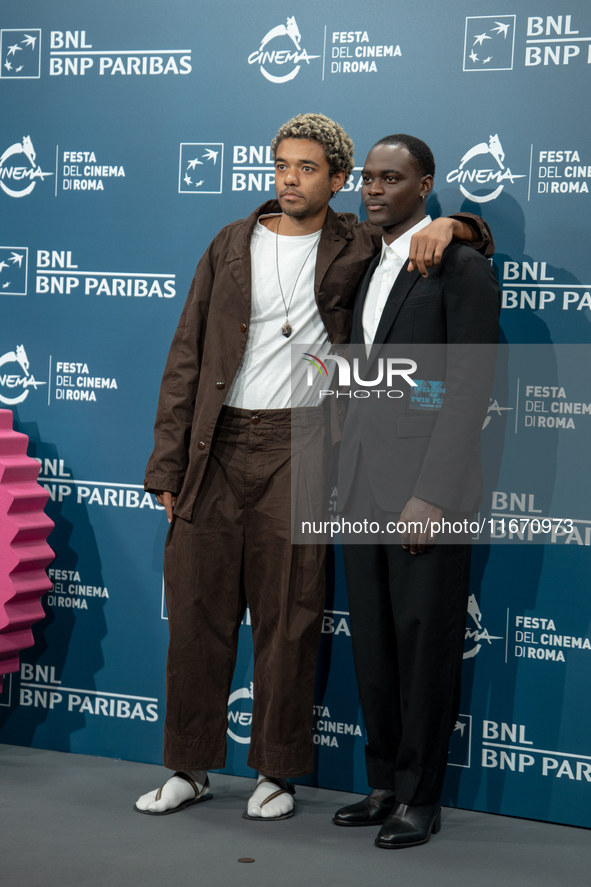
[394, 255]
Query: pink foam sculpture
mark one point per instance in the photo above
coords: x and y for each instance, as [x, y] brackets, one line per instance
[24, 552]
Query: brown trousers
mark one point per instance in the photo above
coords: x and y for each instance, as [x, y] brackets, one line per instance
[236, 550]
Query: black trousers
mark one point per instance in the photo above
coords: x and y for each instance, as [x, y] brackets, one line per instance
[408, 620]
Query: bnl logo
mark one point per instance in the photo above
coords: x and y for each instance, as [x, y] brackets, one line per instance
[489, 43]
[20, 53]
[13, 270]
[200, 167]
[460, 744]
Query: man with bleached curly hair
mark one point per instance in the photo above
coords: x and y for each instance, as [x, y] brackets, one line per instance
[221, 466]
[337, 145]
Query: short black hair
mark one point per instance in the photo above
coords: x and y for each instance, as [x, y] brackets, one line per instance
[422, 156]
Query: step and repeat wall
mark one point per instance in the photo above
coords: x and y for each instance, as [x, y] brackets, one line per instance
[131, 133]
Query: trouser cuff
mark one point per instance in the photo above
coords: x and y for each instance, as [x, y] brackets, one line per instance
[412, 788]
[193, 755]
[285, 762]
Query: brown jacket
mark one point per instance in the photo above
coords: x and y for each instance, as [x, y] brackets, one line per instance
[210, 340]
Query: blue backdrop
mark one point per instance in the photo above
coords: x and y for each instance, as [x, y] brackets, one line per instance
[131, 133]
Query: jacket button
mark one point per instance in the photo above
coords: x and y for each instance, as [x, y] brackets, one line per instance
[255, 420]
[220, 385]
[243, 327]
[200, 445]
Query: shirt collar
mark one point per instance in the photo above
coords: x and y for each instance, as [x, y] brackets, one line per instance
[401, 246]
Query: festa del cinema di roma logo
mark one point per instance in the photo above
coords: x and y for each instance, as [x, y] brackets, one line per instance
[470, 174]
[293, 55]
[239, 720]
[18, 181]
[478, 634]
[14, 380]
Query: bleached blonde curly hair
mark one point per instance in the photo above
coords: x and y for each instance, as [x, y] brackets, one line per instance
[337, 146]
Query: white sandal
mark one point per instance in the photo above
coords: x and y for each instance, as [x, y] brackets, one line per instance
[203, 795]
[290, 790]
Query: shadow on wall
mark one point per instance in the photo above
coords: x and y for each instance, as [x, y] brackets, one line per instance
[488, 681]
[505, 579]
[338, 728]
[524, 277]
[68, 641]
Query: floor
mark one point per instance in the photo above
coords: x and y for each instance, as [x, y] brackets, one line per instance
[68, 821]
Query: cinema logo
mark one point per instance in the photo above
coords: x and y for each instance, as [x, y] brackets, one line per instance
[18, 178]
[240, 715]
[273, 60]
[496, 410]
[469, 173]
[475, 635]
[386, 371]
[16, 376]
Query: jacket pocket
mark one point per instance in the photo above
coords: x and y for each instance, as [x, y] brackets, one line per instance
[419, 299]
[416, 426]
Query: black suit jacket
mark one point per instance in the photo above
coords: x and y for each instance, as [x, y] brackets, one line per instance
[449, 324]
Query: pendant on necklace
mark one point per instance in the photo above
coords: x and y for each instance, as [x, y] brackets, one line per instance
[287, 329]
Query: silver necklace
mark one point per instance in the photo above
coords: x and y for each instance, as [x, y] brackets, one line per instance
[287, 328]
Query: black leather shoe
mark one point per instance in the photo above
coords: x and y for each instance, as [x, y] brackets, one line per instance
[408, 826]
[373, 810]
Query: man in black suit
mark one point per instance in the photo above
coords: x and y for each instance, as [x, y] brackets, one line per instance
[414, 459]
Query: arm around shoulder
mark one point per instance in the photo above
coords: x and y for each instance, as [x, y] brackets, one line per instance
[474, 230]
[472, 297]
[427, 245]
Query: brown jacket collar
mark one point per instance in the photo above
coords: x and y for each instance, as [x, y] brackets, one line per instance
[334, 225]
[336, 232]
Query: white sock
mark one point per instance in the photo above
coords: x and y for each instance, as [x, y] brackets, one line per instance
[277, 807]
[174, 792]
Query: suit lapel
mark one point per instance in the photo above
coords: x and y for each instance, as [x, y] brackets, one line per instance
[357, 333]
[399, 292]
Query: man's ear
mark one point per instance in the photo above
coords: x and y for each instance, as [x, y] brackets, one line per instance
[426, 186]
[337, 181]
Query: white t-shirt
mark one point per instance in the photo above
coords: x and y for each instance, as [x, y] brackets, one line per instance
[264, 379]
